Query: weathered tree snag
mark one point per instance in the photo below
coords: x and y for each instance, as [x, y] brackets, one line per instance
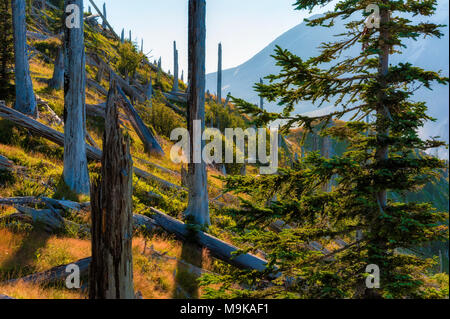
[104, 16]
[25, 99]
[175, 67]
[111, 269]
[99, 75]
[219, 76]
[151, 144]
[95, 85]
[149, 90]
[42, 130]
[217, 247]
[198, 205]
[182, 76]
[104, 19]
[57, 81]
[122, 36]
[50, 219]
[129, 38]
[159, 73]
[227, 100]
[75, 162]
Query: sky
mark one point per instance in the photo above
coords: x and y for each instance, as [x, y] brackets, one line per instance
[244, 27]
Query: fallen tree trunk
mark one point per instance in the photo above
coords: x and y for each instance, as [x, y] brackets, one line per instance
[218, 248]
[53, 275]
[182, 98]
[174, 107]
[42, 130]
[111, 269]
[58, 138]
[93, 84]
[151, 145]
[31, 200]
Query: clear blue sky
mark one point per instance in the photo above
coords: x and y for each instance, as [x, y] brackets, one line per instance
[243, 26]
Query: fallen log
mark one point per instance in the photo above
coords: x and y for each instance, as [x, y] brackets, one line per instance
[42, 130]
[174, 107]
[151, 144]
[218, 248]
[104, 19]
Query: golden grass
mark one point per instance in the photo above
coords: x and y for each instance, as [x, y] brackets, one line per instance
[155, 278]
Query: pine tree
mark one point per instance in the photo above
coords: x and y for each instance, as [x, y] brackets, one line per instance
[390, 159]
[6, 50]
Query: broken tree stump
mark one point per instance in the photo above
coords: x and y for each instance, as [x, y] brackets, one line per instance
[57, 81]
[111, 270]
[75, 172]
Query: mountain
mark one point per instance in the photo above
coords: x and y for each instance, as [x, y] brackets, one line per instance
[429, 53]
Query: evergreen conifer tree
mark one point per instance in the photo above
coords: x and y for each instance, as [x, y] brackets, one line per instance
[390, 159]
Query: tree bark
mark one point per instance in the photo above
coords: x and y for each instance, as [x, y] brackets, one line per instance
[57, 80]
[25, 99]
[111, 270]
[75, 162]
[198, 208]
[219, 75]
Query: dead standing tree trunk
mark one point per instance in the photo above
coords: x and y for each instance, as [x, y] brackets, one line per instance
[75, 161]
[175, 67]
[198, 209]
[219, 76]
[111, 270]
[25, 99]
[57, 80]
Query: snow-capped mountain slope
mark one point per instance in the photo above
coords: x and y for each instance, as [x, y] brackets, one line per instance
[428, 53]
